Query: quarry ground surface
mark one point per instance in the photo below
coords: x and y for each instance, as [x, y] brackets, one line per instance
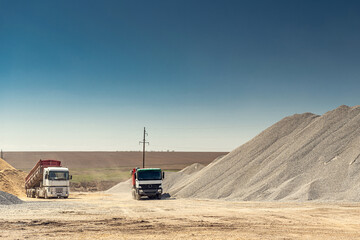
[105, 216]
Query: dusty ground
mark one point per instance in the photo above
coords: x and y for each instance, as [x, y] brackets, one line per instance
[103, 216]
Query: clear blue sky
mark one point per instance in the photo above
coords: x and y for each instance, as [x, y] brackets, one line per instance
[200, 75]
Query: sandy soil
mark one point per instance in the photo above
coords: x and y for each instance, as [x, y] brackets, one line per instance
[105, 216]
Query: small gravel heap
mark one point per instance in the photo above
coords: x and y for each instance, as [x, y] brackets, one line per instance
[122, 187]
[8, 199]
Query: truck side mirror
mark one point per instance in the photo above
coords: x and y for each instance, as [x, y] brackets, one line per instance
[70, 177]
[163, 175]
[135, 175]
[46, 176]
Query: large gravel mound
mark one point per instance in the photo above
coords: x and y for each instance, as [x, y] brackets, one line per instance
[11, 179]
[302, 157]
[8, 199]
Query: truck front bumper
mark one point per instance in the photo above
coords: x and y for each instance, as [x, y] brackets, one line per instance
[149, 192]
[58, 192]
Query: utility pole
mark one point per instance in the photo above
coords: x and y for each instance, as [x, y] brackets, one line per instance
[144, 142]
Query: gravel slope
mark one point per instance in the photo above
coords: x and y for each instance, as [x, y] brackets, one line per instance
[8, 199]
[302, 157]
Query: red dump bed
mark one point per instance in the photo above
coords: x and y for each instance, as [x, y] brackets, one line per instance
[35, 175]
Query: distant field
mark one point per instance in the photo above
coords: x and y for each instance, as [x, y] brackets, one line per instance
[100, 170]
[168, 160]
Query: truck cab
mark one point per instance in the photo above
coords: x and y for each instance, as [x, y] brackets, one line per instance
[147, 182]
[55, 182]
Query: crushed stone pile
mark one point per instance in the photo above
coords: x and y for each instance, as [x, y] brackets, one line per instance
[302, 157]
[11, 180]
[177, 178]
[8, 199]
[122, 187]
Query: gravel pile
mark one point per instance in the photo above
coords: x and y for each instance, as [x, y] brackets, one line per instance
[302, 157]
[11, 180]
[8, 199]
[177, 178]
[122, 187]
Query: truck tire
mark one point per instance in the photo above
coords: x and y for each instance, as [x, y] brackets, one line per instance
[138, 196]
[45, 195]
[158, 196]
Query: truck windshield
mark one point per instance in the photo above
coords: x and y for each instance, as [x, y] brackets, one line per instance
[149, 175]
[58, 175]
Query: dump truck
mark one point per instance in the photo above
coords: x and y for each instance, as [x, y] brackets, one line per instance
[147, 182]
[48, 179]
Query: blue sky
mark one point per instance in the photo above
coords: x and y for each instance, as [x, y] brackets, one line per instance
[200, 75]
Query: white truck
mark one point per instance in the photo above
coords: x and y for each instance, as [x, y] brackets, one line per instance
[48, 179]
[147, 182]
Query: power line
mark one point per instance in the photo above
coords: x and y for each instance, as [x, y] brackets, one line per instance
[196, 128]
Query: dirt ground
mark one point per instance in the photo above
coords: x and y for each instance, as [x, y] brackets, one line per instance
[105, 216]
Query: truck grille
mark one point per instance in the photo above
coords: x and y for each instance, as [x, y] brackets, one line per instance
[58, 190]
[150, 186]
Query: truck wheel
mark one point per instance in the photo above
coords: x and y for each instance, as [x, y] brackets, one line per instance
[158, 196]
[46, 196]
[138, 196]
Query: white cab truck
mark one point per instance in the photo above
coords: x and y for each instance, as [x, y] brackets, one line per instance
[147, 182]
[48, 179]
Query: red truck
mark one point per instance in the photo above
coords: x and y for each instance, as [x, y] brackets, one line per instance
[48, 179]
